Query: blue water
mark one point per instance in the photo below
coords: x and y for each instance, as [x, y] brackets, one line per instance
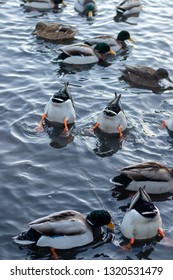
[42, 174]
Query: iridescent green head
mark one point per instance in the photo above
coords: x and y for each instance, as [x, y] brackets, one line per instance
[124, 35]
[103, 48]
[98, 218]
[90, 9]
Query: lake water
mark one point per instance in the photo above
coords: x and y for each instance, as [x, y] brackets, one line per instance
[41, 174]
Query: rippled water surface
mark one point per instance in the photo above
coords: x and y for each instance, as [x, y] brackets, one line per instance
[41, 173]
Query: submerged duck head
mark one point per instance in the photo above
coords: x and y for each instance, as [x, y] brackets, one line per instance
[124, 35]
[98, 218]
[162, 73]
[103, 48]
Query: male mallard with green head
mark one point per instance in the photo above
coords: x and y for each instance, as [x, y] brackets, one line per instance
[86, 7]
[81, 54]
[116, 44]
[65, 230]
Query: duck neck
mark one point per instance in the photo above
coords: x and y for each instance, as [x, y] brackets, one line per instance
[97, 231]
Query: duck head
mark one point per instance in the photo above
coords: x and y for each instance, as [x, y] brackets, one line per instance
[90, 9]
[98, 218]
[162, 73]
[124, 35]
[103, 48]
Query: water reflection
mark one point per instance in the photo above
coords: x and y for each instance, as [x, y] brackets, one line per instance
[58, 139]
[122, 18]
[106, 145]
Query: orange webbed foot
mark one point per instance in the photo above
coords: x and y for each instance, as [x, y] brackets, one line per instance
[163, 124]
[120, 132]
[129, 245]
[54, 254]
[161, 233]
[39, 127]
[95, 126]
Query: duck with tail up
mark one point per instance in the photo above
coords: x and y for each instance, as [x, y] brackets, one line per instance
[82, 54]
[112, 119]
[116, 44]
[44, 4]
[54, 32]
[129, 7]
[156, 177]
[60, 109]
[65, 230]
[144, 77]
[142, 220]
[86, 7]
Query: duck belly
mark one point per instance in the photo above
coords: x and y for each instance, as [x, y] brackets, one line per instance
[151, 187]
[110, 124]
[136, 226]
[39, 5]
[65, 241]
[81, 60]
[57, 112]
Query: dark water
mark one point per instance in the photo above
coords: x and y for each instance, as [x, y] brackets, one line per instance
[40, 173]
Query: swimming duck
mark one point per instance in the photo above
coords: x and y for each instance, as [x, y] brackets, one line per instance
[112, 119]
[86, 7]
[54, 31]
[60, 108]
[115, 43]
[142, 220]
[44, 4]
[65, 229]
[156, 177]
[129, 7]
[81, 54]
[145, 77]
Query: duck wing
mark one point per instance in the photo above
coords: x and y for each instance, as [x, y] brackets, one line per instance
[142, 72]
[127, 5]
[78, 49]
[110, 40]
[60, 223]
[148, 171]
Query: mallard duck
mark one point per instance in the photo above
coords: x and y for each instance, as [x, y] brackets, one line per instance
[81, 54]
[54, 31]
[112, 119]
[115, 43]
[44, 4]
[65, 229]
[60, 108]
[156, 177]
[86, 7]
[144, 77]
[142, 220]
[129, 7]
[168, 123]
